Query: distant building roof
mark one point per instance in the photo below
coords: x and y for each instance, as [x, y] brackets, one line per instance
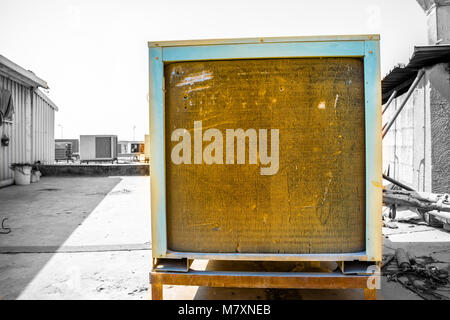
[401, 77]
[16, 72]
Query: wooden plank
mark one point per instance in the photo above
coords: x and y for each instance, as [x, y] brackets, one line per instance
[316, 201]
[282, 280]
[369, 294]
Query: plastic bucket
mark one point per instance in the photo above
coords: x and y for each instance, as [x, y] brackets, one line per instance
[22, 175]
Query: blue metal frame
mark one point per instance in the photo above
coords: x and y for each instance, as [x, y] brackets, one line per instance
[374, 195]
[157, 153]
[366, 47]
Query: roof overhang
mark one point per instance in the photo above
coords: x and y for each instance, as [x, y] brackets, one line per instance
[15, 72]
[401, 77]
[46, 99]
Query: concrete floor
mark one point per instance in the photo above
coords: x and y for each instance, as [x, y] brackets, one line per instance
[89, 238]
[84, 237]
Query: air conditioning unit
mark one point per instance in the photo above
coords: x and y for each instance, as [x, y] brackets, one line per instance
[266, 149]
[98, 148]
[130, 148]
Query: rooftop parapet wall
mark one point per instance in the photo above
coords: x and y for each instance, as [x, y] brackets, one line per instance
[95, 170]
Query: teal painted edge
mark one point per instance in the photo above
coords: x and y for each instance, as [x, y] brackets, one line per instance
[265, 50]
[367, 49]
[157, 153]
[372, 95]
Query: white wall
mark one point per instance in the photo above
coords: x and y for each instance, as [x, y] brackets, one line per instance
[407, 147]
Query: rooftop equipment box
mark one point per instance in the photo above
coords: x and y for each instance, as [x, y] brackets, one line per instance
[74, 142]
[310, 105]
[98, 147]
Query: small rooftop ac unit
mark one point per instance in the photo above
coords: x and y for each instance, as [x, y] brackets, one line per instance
[98, 148]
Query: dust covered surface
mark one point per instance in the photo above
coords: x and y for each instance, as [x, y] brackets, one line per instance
[315, 203]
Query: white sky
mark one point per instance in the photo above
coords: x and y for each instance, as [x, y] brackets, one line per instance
[93, 54]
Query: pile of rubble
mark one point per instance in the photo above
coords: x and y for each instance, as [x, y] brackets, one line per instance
[421, 275]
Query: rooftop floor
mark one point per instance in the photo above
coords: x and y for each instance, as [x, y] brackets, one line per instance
[89, 238]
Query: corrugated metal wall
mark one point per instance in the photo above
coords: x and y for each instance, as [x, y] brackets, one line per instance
[43, 143]
[31, 132]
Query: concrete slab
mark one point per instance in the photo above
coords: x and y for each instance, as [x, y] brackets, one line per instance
[90, 275]
[106, 220]
[121, 218]
[46, 213]
[427, 235]
[406, 228]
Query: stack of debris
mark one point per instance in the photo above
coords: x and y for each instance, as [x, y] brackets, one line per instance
[432, 207]
[420, 275]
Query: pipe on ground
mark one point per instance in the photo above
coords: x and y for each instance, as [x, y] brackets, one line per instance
[7, 182]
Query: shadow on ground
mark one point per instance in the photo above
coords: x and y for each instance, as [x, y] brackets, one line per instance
[41, 217]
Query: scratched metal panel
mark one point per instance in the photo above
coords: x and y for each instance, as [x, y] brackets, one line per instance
[31, 132]
[315, 203]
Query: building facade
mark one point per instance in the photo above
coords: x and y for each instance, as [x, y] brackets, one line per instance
[416, 149]
[27, 130]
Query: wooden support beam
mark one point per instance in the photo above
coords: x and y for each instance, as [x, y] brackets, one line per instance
[388, 103]
[369, 294]
[157, 291]
[402, 105]
[274, 280]
[397, 183]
